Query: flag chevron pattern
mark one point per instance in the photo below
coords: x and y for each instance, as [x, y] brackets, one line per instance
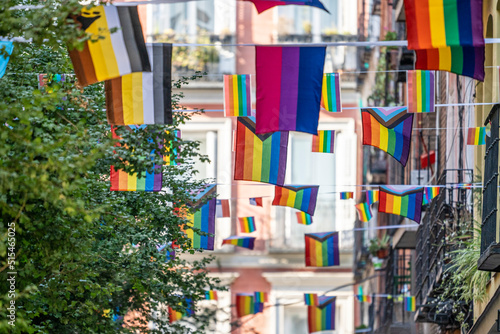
[330, 96]
[118, 53]
[300, 197]
[289, 81]
[263, 5]
[421, 91]
[260, 158]
[388, 129]
[237, 95]
[204, 205]
[321, 317]
[245, 242]
[402, 201]
[322, 249]
[324, 142]
[143, 97]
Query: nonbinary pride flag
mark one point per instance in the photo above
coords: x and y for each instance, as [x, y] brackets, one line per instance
[420, 91]
[403, 200]
[259, 158]
[289, 82]
[262, 5]
[118, 53]
[300, 197]
[204, 202]
[237, 95]
[143, 97]
[388, 129]
[324, 142]
[321, 317]
[322, 249]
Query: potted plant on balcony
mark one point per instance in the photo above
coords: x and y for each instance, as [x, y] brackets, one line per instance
[380, 247]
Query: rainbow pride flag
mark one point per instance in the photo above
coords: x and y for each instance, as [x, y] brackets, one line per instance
[311, 299]
[330, 95]
[211, 295]
[259, 158]
[346, 194]
[403, 201]
[262, 5]
[247, 224]
[245, 242]
[174, 315]
[260, 297]
[371, 196]
[302, 198]
[203, 219]
[237, 95]
[364, 298]
[429, 194]
[477, 136]
[322, 249]
[171, 159]
[364, 211]
[304, 218]
[324, 142]
[120, 52]
[222, 208]
[289, 83]
[245, 305]
[256, 201]
[410, 304]
[421, 90]
[321, 317]
[389, 129]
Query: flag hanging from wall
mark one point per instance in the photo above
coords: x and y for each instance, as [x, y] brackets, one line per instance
[222, 209]
[403, 201]
[364, 298]
[245, 242]
[364, 212]
[322, 249]
[300, 197]
[259, 158]
[263, 5]
[346, 195]
[118, 53]
[324, 142]
[321, 317]
[330, 95]
[410, 305]
[211, 295]
[143, 97]
[203, 219]
[8, 47]
[304, 218]
[476, 136]
[122, 181]
[256, 201]
[389, 129]
[237, 95]
[289, 81]
[371, 196]
[311, 299]
[421, 91]
[429, 194]
[247, 224]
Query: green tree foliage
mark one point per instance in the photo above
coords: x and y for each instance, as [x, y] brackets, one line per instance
[84, 254]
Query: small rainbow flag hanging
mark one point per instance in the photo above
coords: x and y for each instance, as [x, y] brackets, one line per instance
[237, 95]
[257, 201]
[262, 5]
[421, 91]
[389, 129]
[171, 159]
[410, 304]
[260, 297]
[211, 295]
[204, 202]
[247, 224]
[245, 242]
[289, 82]
[330, 97]
[477, 136]
[429, 194]
[371, 196]
[302, 198]
[404, 201]
[324, 142]
[245, 305]
[304, 218]
[322, 249]
[260, 158]
[364, 298]
[174, 315]
[222, 209]
[311, 299]
[364, 212]
[346, 194]
[321, 317]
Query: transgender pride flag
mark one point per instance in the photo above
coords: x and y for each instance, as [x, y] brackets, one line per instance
[289, 84]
